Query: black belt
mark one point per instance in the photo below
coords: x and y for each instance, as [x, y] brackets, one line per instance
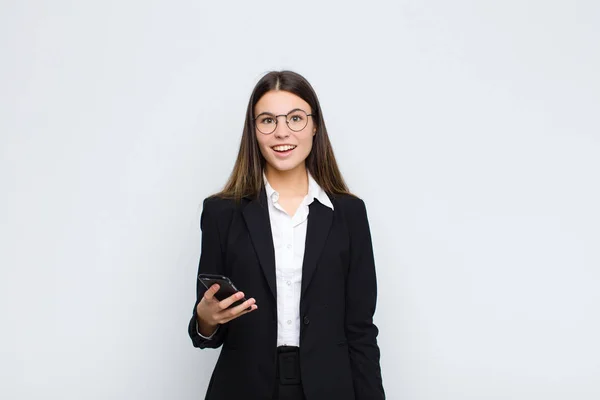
[288, 365]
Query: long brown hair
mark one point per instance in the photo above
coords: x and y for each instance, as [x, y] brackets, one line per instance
[246, 179]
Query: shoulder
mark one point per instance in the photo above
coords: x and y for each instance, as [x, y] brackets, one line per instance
[218, 208]
[349, 204]
[215, 203]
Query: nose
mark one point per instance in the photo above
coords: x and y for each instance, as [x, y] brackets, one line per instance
[282, 129]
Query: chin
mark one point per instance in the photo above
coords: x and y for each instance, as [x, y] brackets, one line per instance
[284, 166]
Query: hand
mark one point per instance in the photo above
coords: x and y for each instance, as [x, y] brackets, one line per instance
[212, 312]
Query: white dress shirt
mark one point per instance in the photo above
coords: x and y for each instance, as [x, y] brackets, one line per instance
[289, 238]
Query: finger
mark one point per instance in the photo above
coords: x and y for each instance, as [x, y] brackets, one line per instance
[234, 311]
[210, 293]
[224, 304]
[227, 319]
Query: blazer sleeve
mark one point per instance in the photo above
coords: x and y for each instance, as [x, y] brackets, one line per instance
[361, 298]
[211, 262]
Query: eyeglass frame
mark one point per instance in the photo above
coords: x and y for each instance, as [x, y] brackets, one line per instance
[287, 122]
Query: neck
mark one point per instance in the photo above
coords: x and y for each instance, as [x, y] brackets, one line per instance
[288, 183]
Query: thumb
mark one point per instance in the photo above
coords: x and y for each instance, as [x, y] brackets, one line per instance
[210, 293]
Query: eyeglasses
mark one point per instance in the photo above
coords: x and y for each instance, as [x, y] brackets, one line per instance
[296, 120]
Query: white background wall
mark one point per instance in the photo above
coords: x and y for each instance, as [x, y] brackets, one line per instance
[470, 128]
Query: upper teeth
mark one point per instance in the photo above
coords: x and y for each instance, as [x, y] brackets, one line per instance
[283, 148]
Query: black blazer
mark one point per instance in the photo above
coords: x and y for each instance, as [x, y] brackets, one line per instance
[339, 356]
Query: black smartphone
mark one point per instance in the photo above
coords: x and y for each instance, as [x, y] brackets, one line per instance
[226, 287]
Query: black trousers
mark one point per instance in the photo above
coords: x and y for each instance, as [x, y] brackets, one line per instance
[289, 383]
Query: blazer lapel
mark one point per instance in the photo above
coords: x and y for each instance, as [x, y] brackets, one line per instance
[256, 214]
[319, 222]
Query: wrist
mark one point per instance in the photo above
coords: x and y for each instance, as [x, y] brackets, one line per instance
[204, 328]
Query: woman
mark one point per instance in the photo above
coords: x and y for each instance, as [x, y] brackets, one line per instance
[288, 233]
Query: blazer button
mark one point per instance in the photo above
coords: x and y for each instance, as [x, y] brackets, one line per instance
[306, 321]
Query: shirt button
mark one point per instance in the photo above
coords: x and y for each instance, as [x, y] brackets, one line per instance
[306, 321]
[289, 246]
[289, 283]
[289, 321]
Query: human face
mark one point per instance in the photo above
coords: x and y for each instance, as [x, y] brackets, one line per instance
[279, 102]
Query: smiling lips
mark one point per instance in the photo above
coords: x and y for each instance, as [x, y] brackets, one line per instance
[284, 148]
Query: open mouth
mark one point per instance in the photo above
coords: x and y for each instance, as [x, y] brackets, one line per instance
[286, 148]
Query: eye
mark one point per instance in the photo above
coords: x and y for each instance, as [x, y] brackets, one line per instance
[296, 118]
[266, 120]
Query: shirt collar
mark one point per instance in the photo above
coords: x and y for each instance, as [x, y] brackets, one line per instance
[315, 191]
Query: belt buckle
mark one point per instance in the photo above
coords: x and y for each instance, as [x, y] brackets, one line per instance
[289, 369]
